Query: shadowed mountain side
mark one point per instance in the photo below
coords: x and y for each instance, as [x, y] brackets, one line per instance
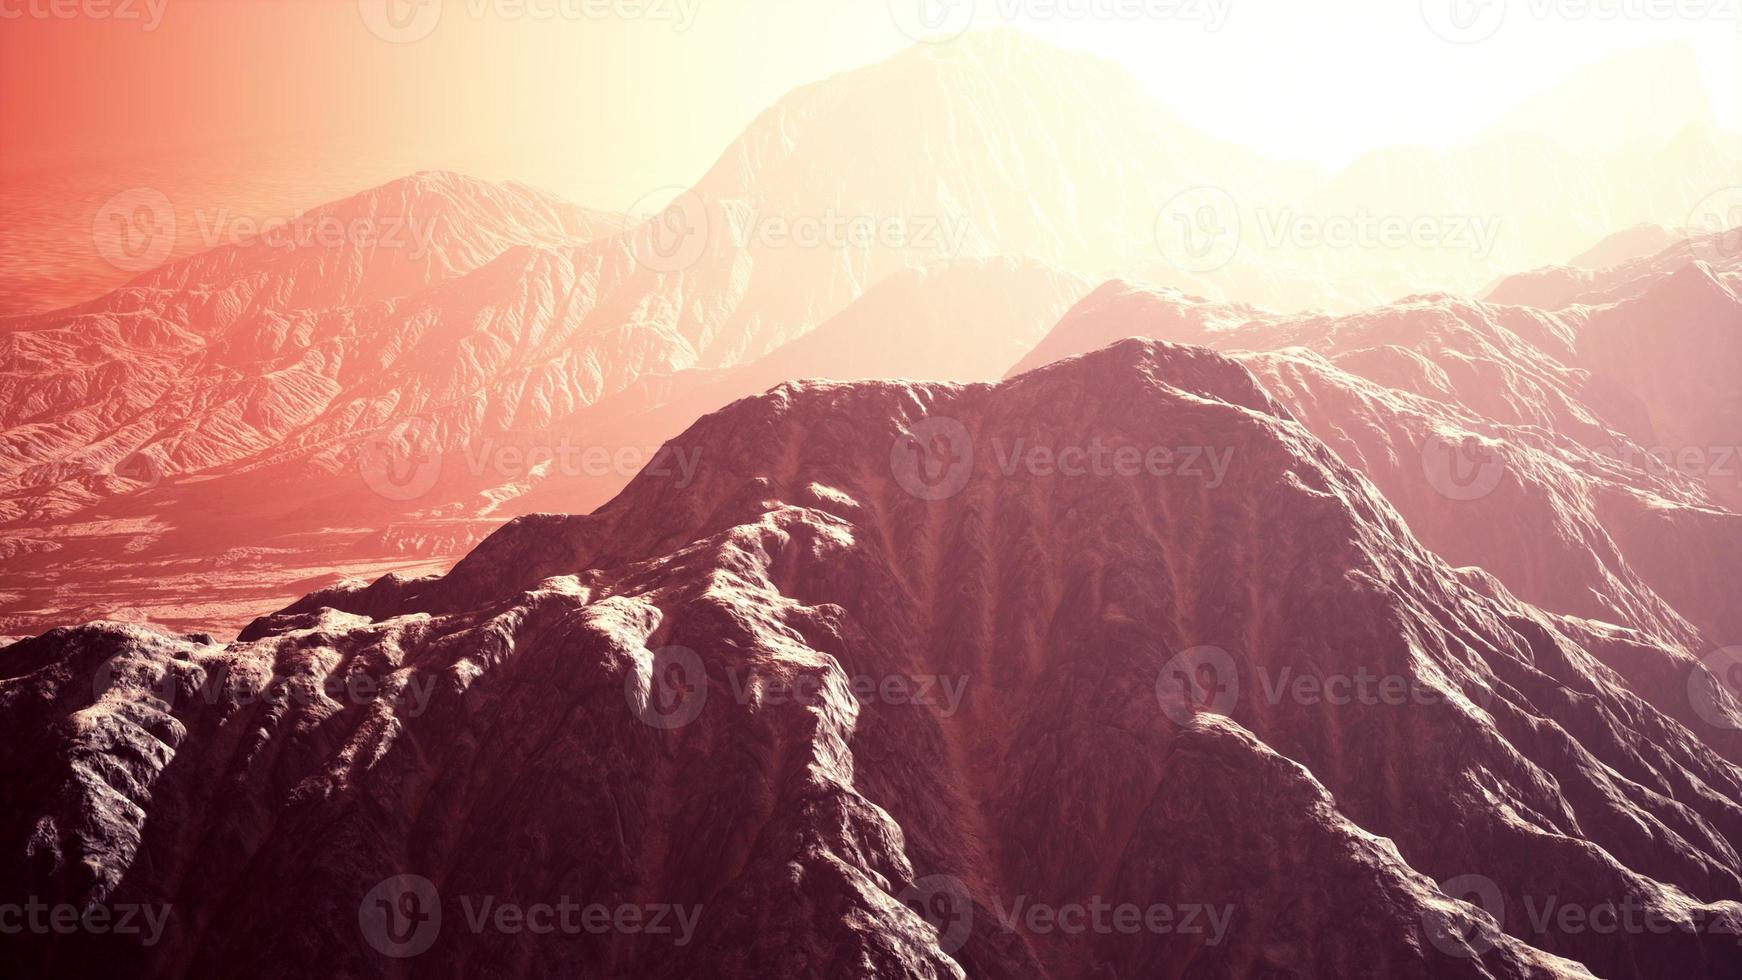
[547, 755]
[1477, 422]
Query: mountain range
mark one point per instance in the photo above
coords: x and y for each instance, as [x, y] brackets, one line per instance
[472, 316]
[893, 556]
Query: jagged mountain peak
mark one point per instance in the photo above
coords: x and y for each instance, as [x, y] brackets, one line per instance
[879, 529]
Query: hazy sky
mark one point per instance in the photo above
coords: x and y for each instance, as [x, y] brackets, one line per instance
[600, 106]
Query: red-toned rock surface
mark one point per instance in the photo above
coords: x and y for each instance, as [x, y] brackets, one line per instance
[605, 708]
[1568, 453]
[291, 522]
[1399, 642]
[216, 411]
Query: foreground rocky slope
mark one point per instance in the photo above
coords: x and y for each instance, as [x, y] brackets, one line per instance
[1049, 678]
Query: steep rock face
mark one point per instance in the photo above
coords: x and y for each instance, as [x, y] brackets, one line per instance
[491, 312]
[1676, 353]
[1479, 425]
[900, 645]
[1560, 286]
[254, 347]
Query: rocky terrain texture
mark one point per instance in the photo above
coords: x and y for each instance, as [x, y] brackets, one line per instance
[662, 703]
[1585, 456]
[278, 529]
[478, 316]
[1134, 632]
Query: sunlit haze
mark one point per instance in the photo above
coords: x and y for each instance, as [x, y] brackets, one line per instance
[898, 489]
[601, 107]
